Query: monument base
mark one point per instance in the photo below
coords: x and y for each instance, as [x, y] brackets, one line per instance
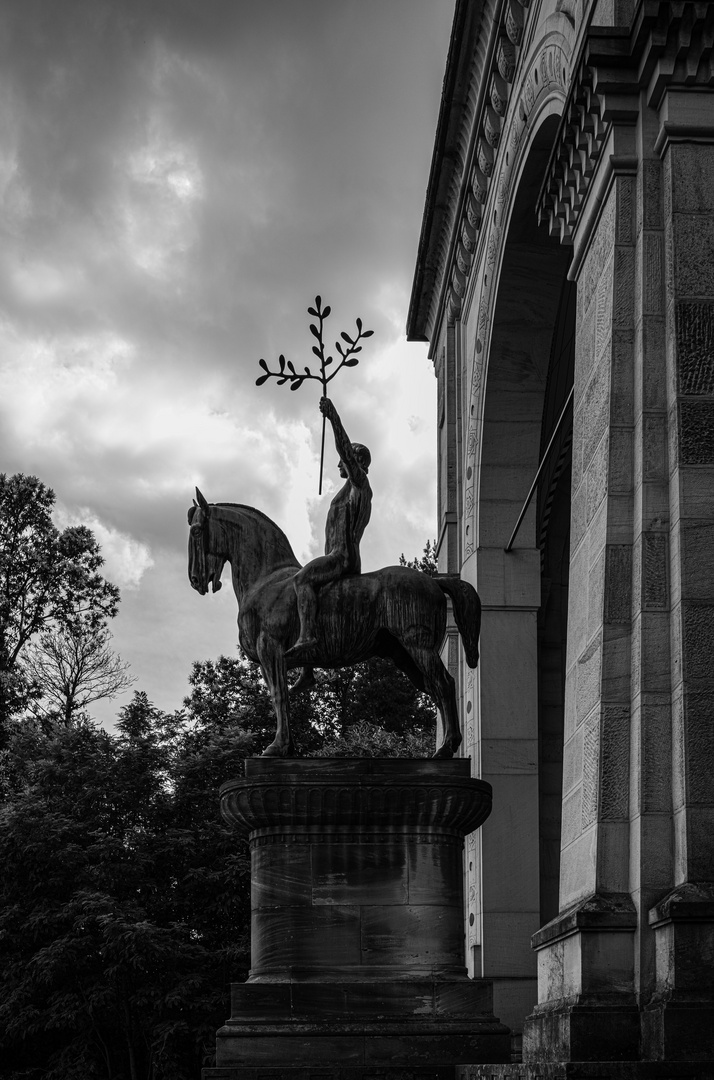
[357, 1028]
[357, 968]
[337, 1072]
[590, 1070]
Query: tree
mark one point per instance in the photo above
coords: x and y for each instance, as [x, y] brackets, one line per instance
[230, 692]
[373, 696]
[427, 563]
[47, 578]
[124, 898]
[72, 667]
[366, 739]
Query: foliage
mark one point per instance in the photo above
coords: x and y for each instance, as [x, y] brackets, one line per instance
[124, 900]
[375, 694]
[72, 667]
[47, 578]
[365, 739]
[230, 691]
[427, 563]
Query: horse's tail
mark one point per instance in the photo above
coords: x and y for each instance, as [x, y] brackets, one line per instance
[467, 612]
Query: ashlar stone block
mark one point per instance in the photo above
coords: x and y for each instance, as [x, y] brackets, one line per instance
[695, 347]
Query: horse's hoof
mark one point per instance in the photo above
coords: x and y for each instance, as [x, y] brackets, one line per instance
[448, 748]
[278, 750]
[305, 681]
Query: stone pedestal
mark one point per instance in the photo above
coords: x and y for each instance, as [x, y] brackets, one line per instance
[357, 947]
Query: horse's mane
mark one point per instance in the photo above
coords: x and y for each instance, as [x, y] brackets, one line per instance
[269, 521]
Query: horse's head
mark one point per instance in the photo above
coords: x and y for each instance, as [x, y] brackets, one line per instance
[205, 566]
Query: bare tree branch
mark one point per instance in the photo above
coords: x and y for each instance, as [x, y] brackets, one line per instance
[73, 666]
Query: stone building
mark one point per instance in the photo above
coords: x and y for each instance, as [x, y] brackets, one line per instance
[565, 283]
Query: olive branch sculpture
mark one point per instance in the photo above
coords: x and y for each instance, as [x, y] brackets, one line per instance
[286, 369]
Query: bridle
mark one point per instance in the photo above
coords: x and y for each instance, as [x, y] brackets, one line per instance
[198, 571]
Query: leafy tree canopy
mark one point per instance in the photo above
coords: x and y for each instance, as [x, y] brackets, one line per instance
[124, 901]
[426, 562]
[47, 577]
[230, 691]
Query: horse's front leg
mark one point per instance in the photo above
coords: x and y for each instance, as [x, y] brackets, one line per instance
[272, 665]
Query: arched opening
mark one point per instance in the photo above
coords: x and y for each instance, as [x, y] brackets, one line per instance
[527, 423]
[553, 535]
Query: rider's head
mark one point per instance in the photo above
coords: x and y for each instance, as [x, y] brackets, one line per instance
[363, 456]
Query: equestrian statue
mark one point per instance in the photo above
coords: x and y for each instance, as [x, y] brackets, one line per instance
[328, 614]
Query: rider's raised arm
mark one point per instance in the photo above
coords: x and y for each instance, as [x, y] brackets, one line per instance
[342, 444]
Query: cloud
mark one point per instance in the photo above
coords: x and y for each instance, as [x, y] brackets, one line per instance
[51, 381]
[126, 560]
[177, 181]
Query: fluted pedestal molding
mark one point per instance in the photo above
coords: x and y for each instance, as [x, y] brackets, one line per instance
[357, 941]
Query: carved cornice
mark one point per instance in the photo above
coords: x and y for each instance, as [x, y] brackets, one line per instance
[481, 67]
[356, 794]
[582, 131]
[673, 44]
[669, 46]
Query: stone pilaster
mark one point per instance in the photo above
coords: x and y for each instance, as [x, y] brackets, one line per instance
[585, 955]
[680, 1015]
[503, 740]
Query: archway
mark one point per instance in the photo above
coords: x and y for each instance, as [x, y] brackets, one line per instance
[527, 424]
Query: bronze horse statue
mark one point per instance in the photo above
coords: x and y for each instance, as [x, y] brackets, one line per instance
[396, 612]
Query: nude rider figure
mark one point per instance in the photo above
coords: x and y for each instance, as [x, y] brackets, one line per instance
[347, 519]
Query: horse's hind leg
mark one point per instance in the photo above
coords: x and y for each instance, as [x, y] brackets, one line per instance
[272, 665]
[440, 686]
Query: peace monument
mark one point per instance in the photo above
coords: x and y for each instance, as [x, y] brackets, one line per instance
[357, 959]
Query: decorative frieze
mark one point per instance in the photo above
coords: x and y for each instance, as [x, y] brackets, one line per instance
[514, 21]
[506, 57]
[499, 94]
[488, 127]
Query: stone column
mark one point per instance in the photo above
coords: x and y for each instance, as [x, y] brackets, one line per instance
[651, 743]
[503, 859]
[357, 922]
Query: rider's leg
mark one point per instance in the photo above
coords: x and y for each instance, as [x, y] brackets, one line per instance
[307, 611]
[313, 576]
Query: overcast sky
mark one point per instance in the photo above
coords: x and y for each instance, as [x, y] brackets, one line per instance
[178, 179]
